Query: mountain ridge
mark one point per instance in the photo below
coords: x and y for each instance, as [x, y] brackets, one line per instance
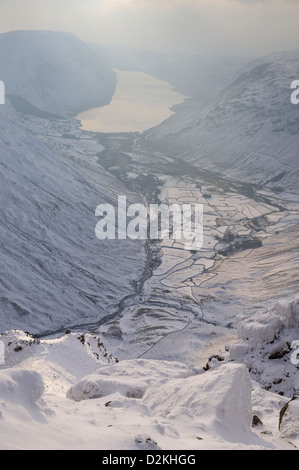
[54, 71]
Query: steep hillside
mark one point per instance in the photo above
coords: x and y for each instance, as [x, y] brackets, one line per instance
[53, 270]
[53, 71]
[248, 132]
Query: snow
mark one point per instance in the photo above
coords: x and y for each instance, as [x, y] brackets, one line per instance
[53, 270]
[199, 357]
[129, 378]
[217, 402]
[267, 325]
[265, 345]
[74, 77]
[71, 387]
[191, 296]
[289, 422]
[61, 361]
[247, 132]
[21, 387]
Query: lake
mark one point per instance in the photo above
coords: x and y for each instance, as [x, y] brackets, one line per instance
[140, 102]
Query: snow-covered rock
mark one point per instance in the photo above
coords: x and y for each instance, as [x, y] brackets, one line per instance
[129, 378]
[54, 71]
[61, 361]
[220, 401]
[266, 344]
[54, 272]
[177, 411]
[265, 326]
[289, 421]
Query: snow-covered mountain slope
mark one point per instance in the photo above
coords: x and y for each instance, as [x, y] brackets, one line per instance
[248, 132]
[54, 272]
[68, 391]
[54, 71]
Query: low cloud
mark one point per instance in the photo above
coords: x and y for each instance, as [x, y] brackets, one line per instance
[231, 27]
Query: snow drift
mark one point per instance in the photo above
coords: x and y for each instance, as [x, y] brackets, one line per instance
[289, 421]
[129, 378]
[19, 386]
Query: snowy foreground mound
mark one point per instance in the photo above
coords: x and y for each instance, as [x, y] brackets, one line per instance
[69, 393]
[130, 378]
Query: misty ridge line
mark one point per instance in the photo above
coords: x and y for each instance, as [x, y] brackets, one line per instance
[294, 95]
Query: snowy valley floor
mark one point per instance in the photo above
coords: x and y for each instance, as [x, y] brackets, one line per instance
[165, 390]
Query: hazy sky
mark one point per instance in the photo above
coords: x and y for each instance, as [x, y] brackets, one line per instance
[233, 27]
